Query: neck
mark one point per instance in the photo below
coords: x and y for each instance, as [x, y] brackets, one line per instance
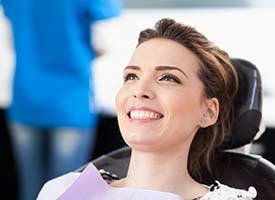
[162, 171]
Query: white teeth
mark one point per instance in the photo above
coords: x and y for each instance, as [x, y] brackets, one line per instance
[137, 114]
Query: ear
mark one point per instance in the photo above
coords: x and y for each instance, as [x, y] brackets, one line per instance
[211, 113]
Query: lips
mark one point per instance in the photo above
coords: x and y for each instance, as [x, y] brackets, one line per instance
[144, 114]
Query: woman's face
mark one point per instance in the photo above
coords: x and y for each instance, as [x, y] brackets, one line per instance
[161, 103]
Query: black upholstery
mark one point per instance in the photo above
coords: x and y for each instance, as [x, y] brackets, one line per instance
[242, 170]
[234, 169]
[247, 113]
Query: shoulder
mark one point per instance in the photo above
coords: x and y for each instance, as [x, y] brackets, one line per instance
[57, 186]
[219, 191]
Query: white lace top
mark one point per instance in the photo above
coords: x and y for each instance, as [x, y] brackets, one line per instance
[220, 191]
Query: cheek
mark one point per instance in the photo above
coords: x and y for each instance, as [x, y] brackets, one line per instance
[184, 112]
[121, 102]
[120, 97]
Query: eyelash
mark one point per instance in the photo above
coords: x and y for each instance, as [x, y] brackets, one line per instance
[130, 76]
[170, 78]
[165, 77]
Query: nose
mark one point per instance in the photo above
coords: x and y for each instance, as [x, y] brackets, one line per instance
[143, 88]
[143, 93]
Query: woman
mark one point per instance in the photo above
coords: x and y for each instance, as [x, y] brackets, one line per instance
[173, 110]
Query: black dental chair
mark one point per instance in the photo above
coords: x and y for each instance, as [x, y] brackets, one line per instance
[239, 170]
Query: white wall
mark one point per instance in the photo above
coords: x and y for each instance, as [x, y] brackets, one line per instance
[6, 61]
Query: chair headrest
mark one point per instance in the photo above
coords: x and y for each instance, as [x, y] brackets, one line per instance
[247, 106]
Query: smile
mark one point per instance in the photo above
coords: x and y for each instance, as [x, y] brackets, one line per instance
[144, 115]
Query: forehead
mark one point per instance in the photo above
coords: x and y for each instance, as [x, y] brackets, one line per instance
[159, 51]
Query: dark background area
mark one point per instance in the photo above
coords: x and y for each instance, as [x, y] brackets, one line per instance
[8, 176]
[108, 139]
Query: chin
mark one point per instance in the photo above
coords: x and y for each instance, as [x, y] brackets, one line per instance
[139, 138]
[145, 144]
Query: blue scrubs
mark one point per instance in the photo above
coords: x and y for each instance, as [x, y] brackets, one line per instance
[52, 79]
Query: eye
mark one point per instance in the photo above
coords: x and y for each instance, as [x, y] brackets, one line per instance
[130, 76]
[170, 78]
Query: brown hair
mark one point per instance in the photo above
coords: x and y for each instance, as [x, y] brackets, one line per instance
[220, 80]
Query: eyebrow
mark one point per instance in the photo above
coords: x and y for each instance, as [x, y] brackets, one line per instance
[159, 68]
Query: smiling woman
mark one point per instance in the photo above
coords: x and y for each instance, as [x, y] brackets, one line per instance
[154, 89]
[173, 110]
[206, 70]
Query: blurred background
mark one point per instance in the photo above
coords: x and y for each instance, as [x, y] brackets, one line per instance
[243, 28]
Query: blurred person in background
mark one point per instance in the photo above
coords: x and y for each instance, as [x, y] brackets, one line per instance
[52, 116]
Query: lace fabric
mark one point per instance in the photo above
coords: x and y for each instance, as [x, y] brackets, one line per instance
[219, 191]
